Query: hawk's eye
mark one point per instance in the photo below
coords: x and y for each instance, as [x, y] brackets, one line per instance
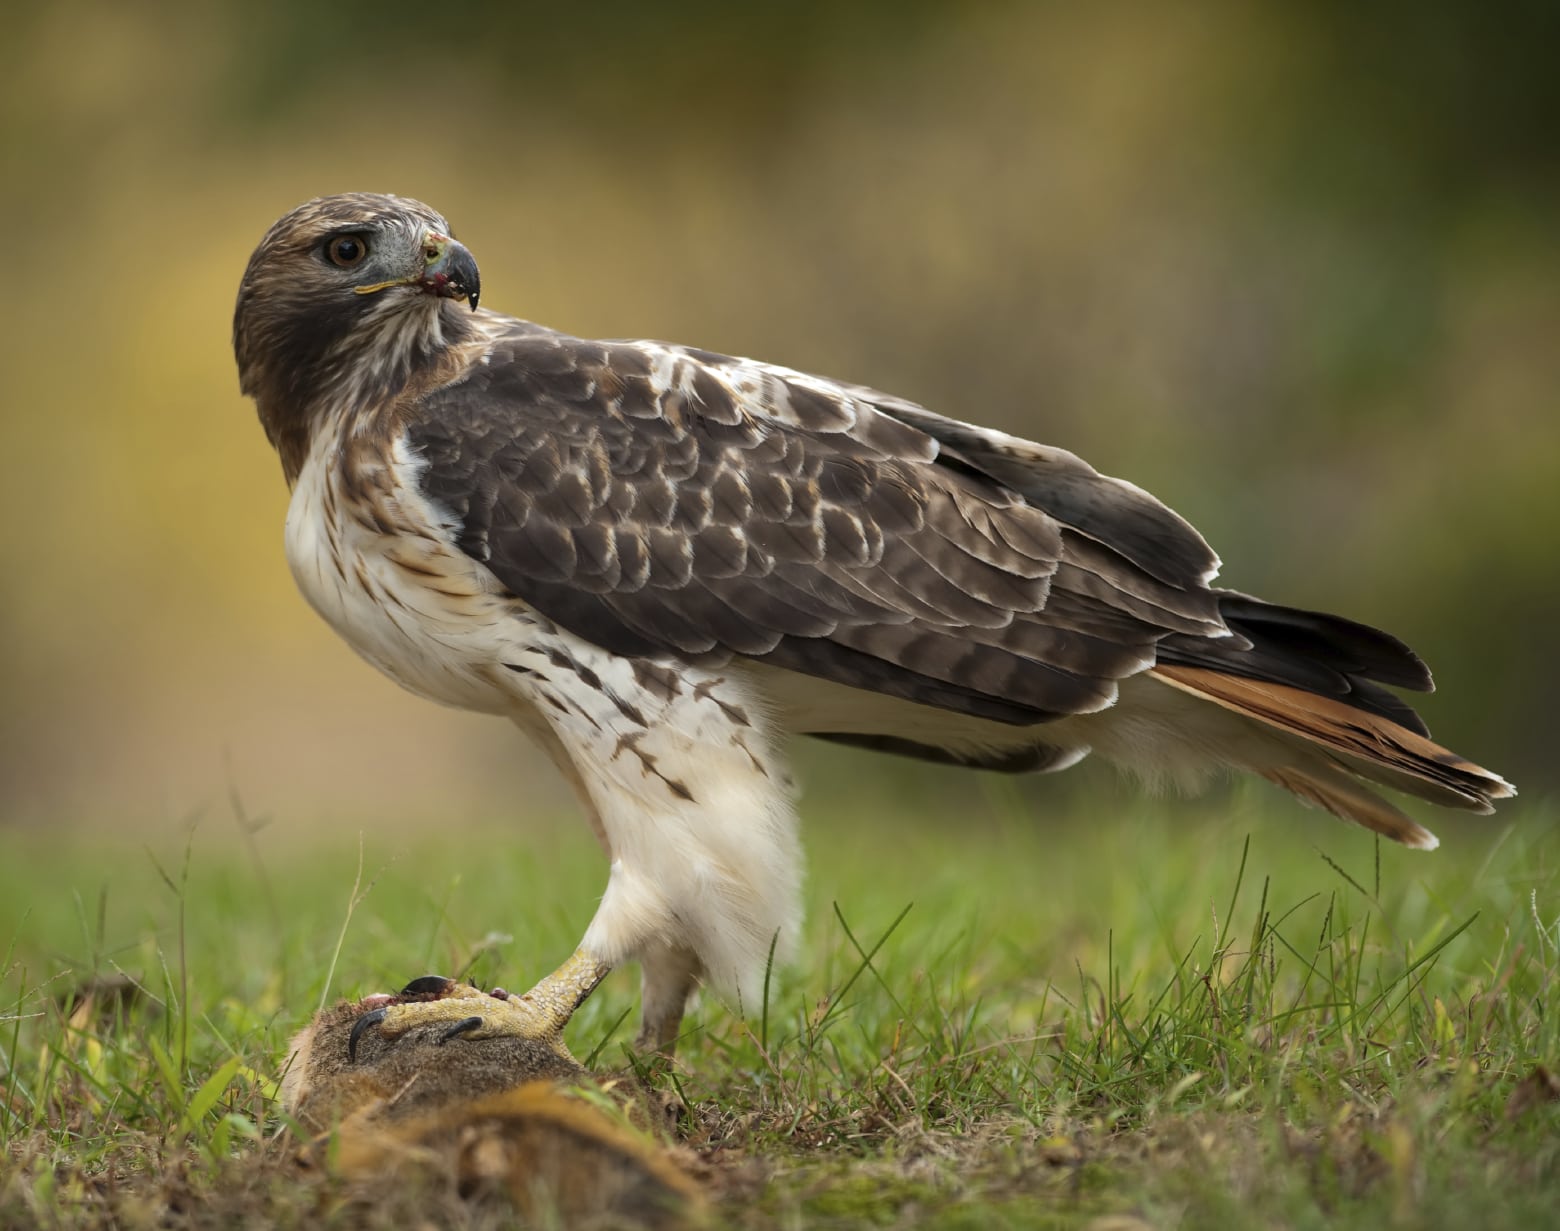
[346, 250]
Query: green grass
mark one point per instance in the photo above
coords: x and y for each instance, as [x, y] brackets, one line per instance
[1229, 1014]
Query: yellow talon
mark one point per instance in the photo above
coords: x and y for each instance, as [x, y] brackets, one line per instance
[467, 1012]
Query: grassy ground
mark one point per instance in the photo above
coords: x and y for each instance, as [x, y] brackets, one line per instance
[1233, 1014]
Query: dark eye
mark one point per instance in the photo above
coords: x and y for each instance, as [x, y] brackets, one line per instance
[347, 250]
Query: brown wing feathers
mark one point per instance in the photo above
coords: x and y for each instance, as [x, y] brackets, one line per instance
[838, 553]
[642, 498]
[1317, 676]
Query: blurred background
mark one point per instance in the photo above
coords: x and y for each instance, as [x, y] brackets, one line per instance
[1295, 269]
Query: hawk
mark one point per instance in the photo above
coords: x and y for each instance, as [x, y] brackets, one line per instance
[659, 561]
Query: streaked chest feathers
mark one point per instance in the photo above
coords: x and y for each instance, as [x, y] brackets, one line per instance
[376, 561]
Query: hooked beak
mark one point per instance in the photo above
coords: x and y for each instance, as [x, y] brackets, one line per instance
[449, 269]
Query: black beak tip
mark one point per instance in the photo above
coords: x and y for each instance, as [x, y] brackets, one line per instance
[465, 279]
[455, 276]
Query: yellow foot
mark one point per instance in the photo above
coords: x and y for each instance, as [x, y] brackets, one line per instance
[467, 1012]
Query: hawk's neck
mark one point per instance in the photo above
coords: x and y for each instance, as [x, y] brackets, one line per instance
[359, 378]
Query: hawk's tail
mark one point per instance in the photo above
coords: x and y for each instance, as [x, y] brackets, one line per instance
[1344, 743]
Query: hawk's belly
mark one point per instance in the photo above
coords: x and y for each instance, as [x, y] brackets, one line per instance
[370, 556]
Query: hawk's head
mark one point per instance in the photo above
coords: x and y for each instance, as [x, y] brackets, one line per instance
[344, 301]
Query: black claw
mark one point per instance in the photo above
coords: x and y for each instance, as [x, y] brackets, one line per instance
[372, 1018]
[426, 985]
[465, 1026]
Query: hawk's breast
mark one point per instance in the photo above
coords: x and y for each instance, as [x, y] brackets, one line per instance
[372, 556]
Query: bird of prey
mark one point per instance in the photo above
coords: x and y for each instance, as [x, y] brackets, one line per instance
[659, 562]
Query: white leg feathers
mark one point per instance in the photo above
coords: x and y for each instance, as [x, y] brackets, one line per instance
[693, 806]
